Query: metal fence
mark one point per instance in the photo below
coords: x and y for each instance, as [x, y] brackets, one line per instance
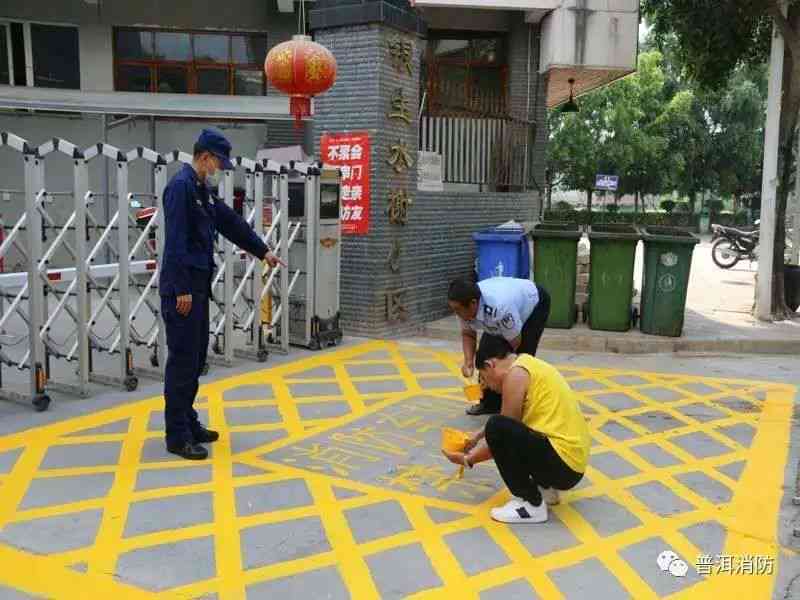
[111, 308]
[487, 151]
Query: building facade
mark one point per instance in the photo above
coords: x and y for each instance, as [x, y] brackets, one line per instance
[468, 82]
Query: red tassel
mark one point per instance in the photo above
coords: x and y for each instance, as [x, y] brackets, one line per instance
[300, 106]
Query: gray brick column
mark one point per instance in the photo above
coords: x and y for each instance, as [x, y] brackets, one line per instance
[378, 92]
[527, 88]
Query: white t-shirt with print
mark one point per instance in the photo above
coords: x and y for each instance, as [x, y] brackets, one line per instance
[505, 305]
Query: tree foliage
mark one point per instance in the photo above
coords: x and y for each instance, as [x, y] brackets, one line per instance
[713, 39]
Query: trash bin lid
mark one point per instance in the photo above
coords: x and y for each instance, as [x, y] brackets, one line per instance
[568, 231]
[672, 235]
[614, 232]
[502, 235]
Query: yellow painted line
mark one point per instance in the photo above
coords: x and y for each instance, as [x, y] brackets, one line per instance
[757, 503]
[104, 557]
[226, 546]
[45, 576]
[442, 559]
[747, 534]
[351, 564]
[54, 510]
[17, 481]
[167, 536]
[193, 591]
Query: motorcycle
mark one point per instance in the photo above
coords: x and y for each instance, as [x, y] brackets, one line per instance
[731, 245]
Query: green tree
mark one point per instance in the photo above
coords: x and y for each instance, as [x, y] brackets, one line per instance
[738, 121]
[689, 145]
[616, 131]
[575, 146]
[715, 38]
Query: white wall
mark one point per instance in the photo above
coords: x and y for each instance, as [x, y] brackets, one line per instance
[96, 24]
[97, 58]
[610, 39]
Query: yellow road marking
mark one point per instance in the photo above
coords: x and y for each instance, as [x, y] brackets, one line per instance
[750, 517]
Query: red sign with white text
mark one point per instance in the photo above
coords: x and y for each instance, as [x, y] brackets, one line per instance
[350, 152]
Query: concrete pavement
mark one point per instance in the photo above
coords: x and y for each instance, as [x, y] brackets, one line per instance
[328, 483]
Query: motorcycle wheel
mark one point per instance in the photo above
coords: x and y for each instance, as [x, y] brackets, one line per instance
[724, 254]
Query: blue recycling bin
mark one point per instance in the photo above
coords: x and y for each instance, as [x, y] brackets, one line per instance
[502, 253]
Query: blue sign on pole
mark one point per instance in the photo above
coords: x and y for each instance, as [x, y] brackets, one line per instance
[609, 183]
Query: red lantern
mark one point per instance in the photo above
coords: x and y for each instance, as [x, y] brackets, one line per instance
[302, 69]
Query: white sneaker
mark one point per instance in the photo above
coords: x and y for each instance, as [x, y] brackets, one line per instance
[550, 495]
[518, 510]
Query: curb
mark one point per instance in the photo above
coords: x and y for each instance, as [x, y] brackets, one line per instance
[555, 339]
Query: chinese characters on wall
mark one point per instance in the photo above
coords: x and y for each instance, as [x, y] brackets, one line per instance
[400, 159]
[350, 152]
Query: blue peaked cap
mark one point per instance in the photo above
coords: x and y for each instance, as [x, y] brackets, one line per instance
[218, 145]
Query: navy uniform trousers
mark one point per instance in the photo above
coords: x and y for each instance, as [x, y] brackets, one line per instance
[193, 217]
[187, 349]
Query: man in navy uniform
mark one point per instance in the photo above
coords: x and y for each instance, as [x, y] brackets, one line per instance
[193, 218]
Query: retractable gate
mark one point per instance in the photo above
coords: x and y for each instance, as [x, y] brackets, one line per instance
[87, 308]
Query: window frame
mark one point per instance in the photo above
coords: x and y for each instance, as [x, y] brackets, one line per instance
[436, 103]
[192, 66]
[27, 41]
[6, 25]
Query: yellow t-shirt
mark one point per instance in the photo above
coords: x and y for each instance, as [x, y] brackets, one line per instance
[552, 408]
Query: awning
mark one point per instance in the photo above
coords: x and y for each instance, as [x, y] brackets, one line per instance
[490, 4]
[203, 106]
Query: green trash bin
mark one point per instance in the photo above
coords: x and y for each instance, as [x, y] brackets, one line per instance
[555, 258]
[611, 256]
[667, 264]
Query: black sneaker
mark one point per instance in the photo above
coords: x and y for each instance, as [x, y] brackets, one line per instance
[481, 409]
[202, 435]
[188, 450]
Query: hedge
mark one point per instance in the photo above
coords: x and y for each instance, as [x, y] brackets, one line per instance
[651, 218]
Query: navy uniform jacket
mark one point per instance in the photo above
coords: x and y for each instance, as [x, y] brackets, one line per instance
[192, 219]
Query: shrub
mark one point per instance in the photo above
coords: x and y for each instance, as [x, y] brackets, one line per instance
[668, 206]
[740, 218]
[562, 206]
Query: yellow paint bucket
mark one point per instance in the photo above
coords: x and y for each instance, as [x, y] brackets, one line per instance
[473, 392]
[453, 440]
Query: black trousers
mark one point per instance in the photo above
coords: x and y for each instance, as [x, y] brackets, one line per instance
[531, 334]
[526, 459]
[187, 349]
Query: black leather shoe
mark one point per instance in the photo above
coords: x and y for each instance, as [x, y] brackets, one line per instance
[202, 435]
[188, 450]
[481, 409]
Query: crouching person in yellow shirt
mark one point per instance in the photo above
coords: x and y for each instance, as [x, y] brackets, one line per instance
[540, 441]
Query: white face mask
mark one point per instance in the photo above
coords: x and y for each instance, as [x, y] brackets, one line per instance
[214, 180]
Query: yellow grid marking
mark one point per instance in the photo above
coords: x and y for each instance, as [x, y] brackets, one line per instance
[750, 518]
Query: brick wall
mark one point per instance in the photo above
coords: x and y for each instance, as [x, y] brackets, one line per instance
[354, 104]
[436, 243]
[439, 246]
[523, 81]
[283, 133]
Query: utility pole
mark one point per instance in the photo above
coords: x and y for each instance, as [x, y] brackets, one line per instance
[795, 212]
[770, 177]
